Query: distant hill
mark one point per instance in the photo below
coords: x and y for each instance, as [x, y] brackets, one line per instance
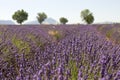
[47, 21]
[6, 22]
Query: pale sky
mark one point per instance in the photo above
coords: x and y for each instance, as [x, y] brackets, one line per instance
[103, 10]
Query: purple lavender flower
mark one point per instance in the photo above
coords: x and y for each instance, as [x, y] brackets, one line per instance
[60, 71]
[60, 77]
[79, 74]
[117, 77]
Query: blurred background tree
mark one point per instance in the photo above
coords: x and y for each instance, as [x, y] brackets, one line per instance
[41, 17]
[63, 20]
[87, 16]
[20, 16]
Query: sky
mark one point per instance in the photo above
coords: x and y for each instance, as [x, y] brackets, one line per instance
[103, 10]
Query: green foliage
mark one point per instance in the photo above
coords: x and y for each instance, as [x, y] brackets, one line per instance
[74, 70]
[20, 16]
[21, 45]
[63, 20]
[41, 17]
[36, 40]
[57, 36]
[5, 50]
[109, 34]
[87, 16]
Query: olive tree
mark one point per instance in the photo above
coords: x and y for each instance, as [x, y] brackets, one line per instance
[87, 16]
[20, 16]
[63, 20]
[41, 17]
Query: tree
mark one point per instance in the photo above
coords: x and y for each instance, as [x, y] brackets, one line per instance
[87, 16]
[41, 17]
[20, 16]
[63, 20]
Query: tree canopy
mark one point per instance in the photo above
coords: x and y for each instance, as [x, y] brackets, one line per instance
[87, 16]
[63, 20]
[20, 16]
[41, 17]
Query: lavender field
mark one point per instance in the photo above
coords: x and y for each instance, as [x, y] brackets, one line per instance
[60, 52]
